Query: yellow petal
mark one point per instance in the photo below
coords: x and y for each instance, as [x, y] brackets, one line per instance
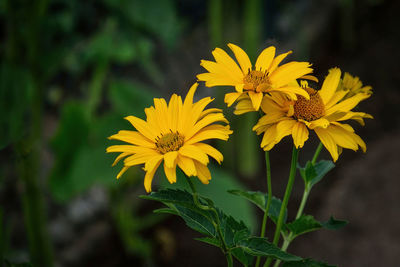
[150, 171]
[210, 132]
[241, 57]
[342, 137]
[203, 173]
[187, 165]
[330, 85]
[299, 134]
[132, 137]
[328, 142]
[277, 61]
[142, 127]
[290, 90]
[124, 148]
[289, 72]
[243, 106]
[284, 128]
[321, 122]
[161, 109]
[269, 137]
[264, 60]
[170, 173]
[223, 58]
[124, 169]
[348, 104]
[120, 156]
[256, 99]
[230, 98]
[194, 152]
[211, 118]
[140, 158]
[221, 70]
[211, 151]
[170, 158]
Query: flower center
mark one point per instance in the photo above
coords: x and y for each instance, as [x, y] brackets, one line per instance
[169, 142]
[255, 78]
[309, 110]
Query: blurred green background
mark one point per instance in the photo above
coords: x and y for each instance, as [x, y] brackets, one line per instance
[71, 70]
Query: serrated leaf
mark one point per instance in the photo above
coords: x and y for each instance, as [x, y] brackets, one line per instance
[333, 224]
[231, 228]
[241, 235]
[238, 208]
[304, 224]
[245, 258]
[312, 174]
[260, 200]
[209, 240]
[307, 223]
[196, 220]
[258, 246]
[171, 196]
[306, 263]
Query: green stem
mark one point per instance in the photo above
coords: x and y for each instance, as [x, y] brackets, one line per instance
[217, 223]
[303, 202]
[316, 154]
[265, 218]
[289, 187]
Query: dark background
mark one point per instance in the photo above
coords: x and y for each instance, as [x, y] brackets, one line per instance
[71, 70]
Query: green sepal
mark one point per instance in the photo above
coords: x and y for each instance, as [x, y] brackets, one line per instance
[260, 200]
[307, 263]
[312, 174]
[258, 246]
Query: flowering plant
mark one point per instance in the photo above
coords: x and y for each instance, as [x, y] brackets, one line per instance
[174, 134]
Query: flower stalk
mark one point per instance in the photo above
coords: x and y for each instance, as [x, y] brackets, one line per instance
[289, 187]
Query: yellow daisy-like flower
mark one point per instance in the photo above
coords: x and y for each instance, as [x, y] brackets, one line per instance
[323, 113]
[353, 86]
[265, 77]
[173, 134]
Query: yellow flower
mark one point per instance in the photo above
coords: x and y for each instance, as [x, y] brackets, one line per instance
[173, 134]
[353, 86]
[265, 77]
[323, 113]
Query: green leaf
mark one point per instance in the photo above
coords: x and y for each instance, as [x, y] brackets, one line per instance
[312, 174]
[171, 196]
[258, 246]
[196, 219]
[182, 203]
[304, 224]
[260, 199]
[307, 223]
[209, 240]
[238, 208]
[245, 258]
[232, 230]
[306, 263]
[333, 224]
